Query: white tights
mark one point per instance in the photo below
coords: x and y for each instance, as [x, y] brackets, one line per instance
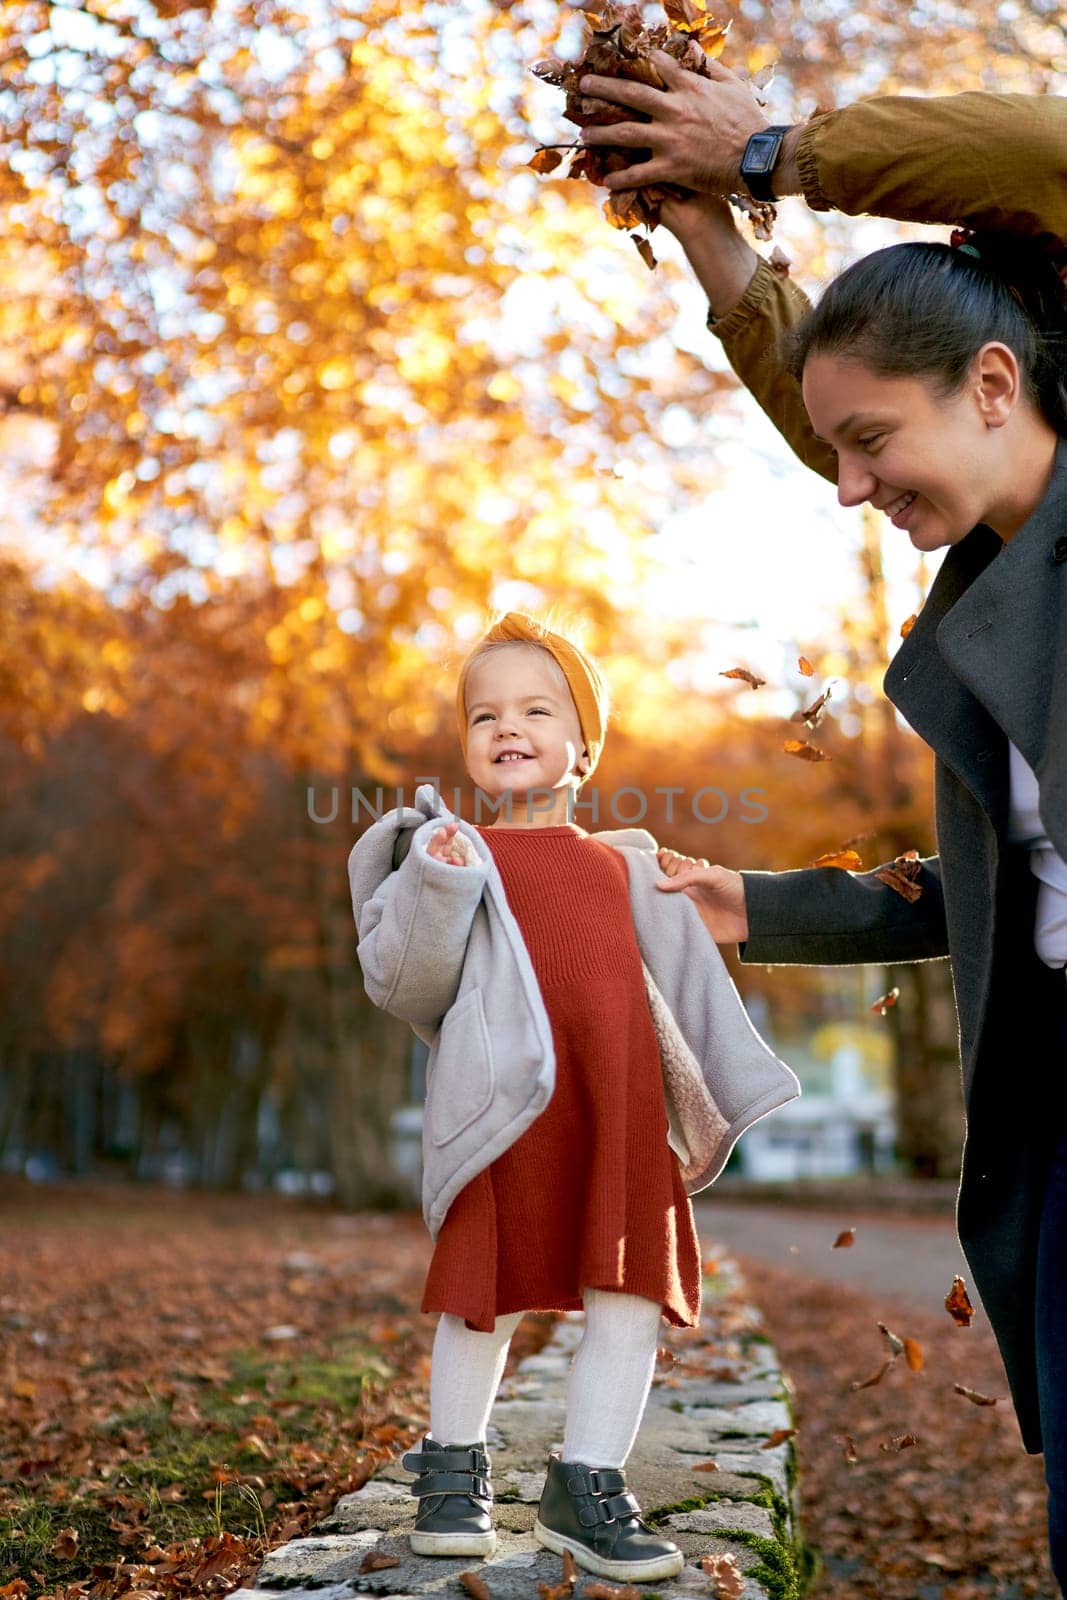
[607, 1386]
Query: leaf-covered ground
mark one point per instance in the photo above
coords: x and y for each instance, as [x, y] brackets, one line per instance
[959, 1515]
[191, 1379]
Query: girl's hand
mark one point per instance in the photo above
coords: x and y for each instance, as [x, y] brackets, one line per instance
[698, 129]
[448, 844]
[717, 893]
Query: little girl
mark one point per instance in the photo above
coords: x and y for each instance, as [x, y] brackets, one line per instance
[575, 1098]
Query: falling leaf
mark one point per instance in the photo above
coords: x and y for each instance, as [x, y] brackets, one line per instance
[876, 1377]
[907, 625]
[913, 1355]
[779, 1436]
[545, 160]
[902, 874]
[726, 1578]
[895, 1343]
[644, 250]
[745, 677]
[957, 1303]
[805, 666]
[848, 1447]
[974, 1396]
[804, 751]
[845, 1240]
[847, 860]
[903, 1441]
[812, 714]
[884, 1001]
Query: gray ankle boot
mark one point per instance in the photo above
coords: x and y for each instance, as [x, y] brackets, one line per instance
[590, 1512]
[454, 1515]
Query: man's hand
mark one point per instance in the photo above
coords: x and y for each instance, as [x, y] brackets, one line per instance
[697, 132]
[717, 893]
[448, 844]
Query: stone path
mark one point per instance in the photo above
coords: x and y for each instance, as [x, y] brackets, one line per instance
[718, 1395]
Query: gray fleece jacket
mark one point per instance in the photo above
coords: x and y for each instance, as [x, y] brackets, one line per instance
[440, 948]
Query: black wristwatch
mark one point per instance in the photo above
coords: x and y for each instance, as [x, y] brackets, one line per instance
[759, 160]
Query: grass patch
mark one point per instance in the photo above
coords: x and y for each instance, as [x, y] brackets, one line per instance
[207, 1459]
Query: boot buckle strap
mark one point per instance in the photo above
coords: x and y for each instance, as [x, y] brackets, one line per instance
[468, 1483]
[594, 1480]
[592, 1512]
[623, 1505]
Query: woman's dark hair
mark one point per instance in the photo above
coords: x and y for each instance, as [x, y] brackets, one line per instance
[925, 310]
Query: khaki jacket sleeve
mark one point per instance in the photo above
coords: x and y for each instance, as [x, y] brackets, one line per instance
[975, 159]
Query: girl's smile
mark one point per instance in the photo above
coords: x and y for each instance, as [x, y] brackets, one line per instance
[523, 732]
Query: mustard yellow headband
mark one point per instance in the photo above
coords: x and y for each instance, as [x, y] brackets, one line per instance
[583, 676]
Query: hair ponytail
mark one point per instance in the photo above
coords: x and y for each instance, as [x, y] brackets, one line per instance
[925, 310]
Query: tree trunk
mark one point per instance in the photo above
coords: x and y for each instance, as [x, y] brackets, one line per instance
[930, 1122]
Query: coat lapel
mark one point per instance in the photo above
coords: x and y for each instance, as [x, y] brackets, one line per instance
[986, 660]
[943, 710]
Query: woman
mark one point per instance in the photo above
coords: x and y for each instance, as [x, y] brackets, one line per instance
[932, 382]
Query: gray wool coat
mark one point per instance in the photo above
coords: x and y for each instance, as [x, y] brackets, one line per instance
[985, 662]
[440, 948]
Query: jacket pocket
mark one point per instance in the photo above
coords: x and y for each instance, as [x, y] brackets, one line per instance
[462, 1078]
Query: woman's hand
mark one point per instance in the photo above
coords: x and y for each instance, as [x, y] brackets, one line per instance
[717, 893]
[697, 132]
[448, 844]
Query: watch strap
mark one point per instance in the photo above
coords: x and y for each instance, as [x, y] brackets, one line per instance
[760, 158]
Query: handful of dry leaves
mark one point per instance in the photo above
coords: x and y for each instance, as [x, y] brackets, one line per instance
[617, 44]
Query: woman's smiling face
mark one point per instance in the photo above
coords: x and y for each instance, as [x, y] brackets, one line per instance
[924, 459]
[517, 703]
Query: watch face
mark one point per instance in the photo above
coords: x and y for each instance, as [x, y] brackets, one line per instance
[759, 157]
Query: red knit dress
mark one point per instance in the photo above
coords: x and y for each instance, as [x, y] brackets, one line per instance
[591, 1195]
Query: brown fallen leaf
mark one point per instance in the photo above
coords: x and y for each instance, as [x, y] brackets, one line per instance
[779, 1436]
[903, 1441]
[779, 262]
[847, 860]
[974, 1396]
[884, 1001]
[875, 1377]
[902, 874]
[545, 159]
[560, 1591]
[746, 676]
[475, 1585]
[645, 251]
[375, 1562]
[804, 751]
[845, 1240]
[812, 714]
[705, 1466]
[65, 1547]
[958, 1305]
[726, 1579]
[611, 1591]
[848, 1447]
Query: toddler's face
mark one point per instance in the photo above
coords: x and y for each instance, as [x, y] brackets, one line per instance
[515, 702]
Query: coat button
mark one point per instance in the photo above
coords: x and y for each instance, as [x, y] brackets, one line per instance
[1059, 550]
